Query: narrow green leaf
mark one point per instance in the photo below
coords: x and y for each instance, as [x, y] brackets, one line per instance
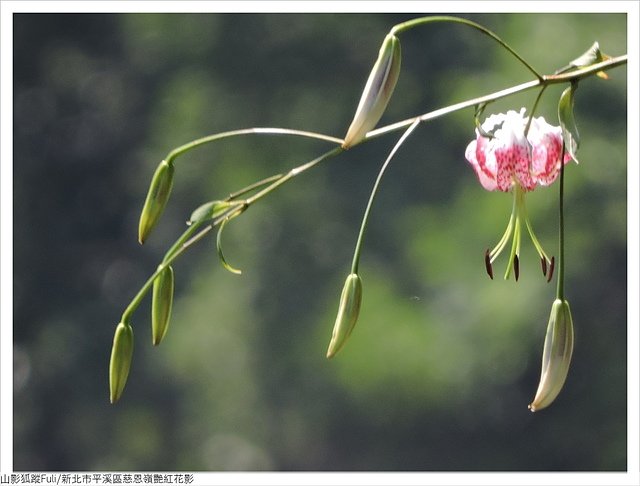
[219, 248]
[570, 134]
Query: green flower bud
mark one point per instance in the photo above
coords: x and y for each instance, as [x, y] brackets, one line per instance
[161, 304]
[157, 198]
[121, 354]
[209, 210]
[348, 311]
[556, 357]
[377, 92]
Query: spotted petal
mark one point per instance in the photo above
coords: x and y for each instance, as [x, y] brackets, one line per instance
[476, 155]
[512, 155]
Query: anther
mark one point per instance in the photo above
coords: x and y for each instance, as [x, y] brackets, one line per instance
[516, 266]
[487, 263]
[543, 260]
[551, 267]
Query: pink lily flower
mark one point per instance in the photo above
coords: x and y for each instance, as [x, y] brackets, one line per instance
[508, 155]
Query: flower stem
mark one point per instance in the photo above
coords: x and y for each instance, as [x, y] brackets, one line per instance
[247, 131]
[374, 192]
[458, 20]
[546, 81]
[560, 288]
[533, 111]
[192, 236]
[293, 173]
[252, 187]
[176, 249]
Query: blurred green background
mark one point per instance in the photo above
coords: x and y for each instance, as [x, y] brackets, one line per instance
[443, 362]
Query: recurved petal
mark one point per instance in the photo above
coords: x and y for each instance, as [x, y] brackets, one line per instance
[545, 157]
[477, 157]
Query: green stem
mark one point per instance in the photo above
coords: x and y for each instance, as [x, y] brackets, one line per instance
[533, 111]
[374, 191]
[252, 187]
[457, 20]
[560, 288]
[191, 236]
[293, 173]
[541, 81]
[174, 252]
[546, 81]
[247, 131]
[581, 73]
[190, 231]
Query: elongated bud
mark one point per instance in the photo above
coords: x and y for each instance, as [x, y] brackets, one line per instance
[377, 92]
[157, 198]
[556, 357]
[209, 210]
[121, 354]
[348, 311]
[161, 304]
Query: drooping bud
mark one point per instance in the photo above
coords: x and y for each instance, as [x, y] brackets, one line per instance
[556, 357]
[157, 198]
[161, 304]
[377, 92]
[348, 312]
[121, 354]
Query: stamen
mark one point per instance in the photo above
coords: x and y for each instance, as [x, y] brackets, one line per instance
[487, 263]
[516, 266]
[551, 267]
[544, 259]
